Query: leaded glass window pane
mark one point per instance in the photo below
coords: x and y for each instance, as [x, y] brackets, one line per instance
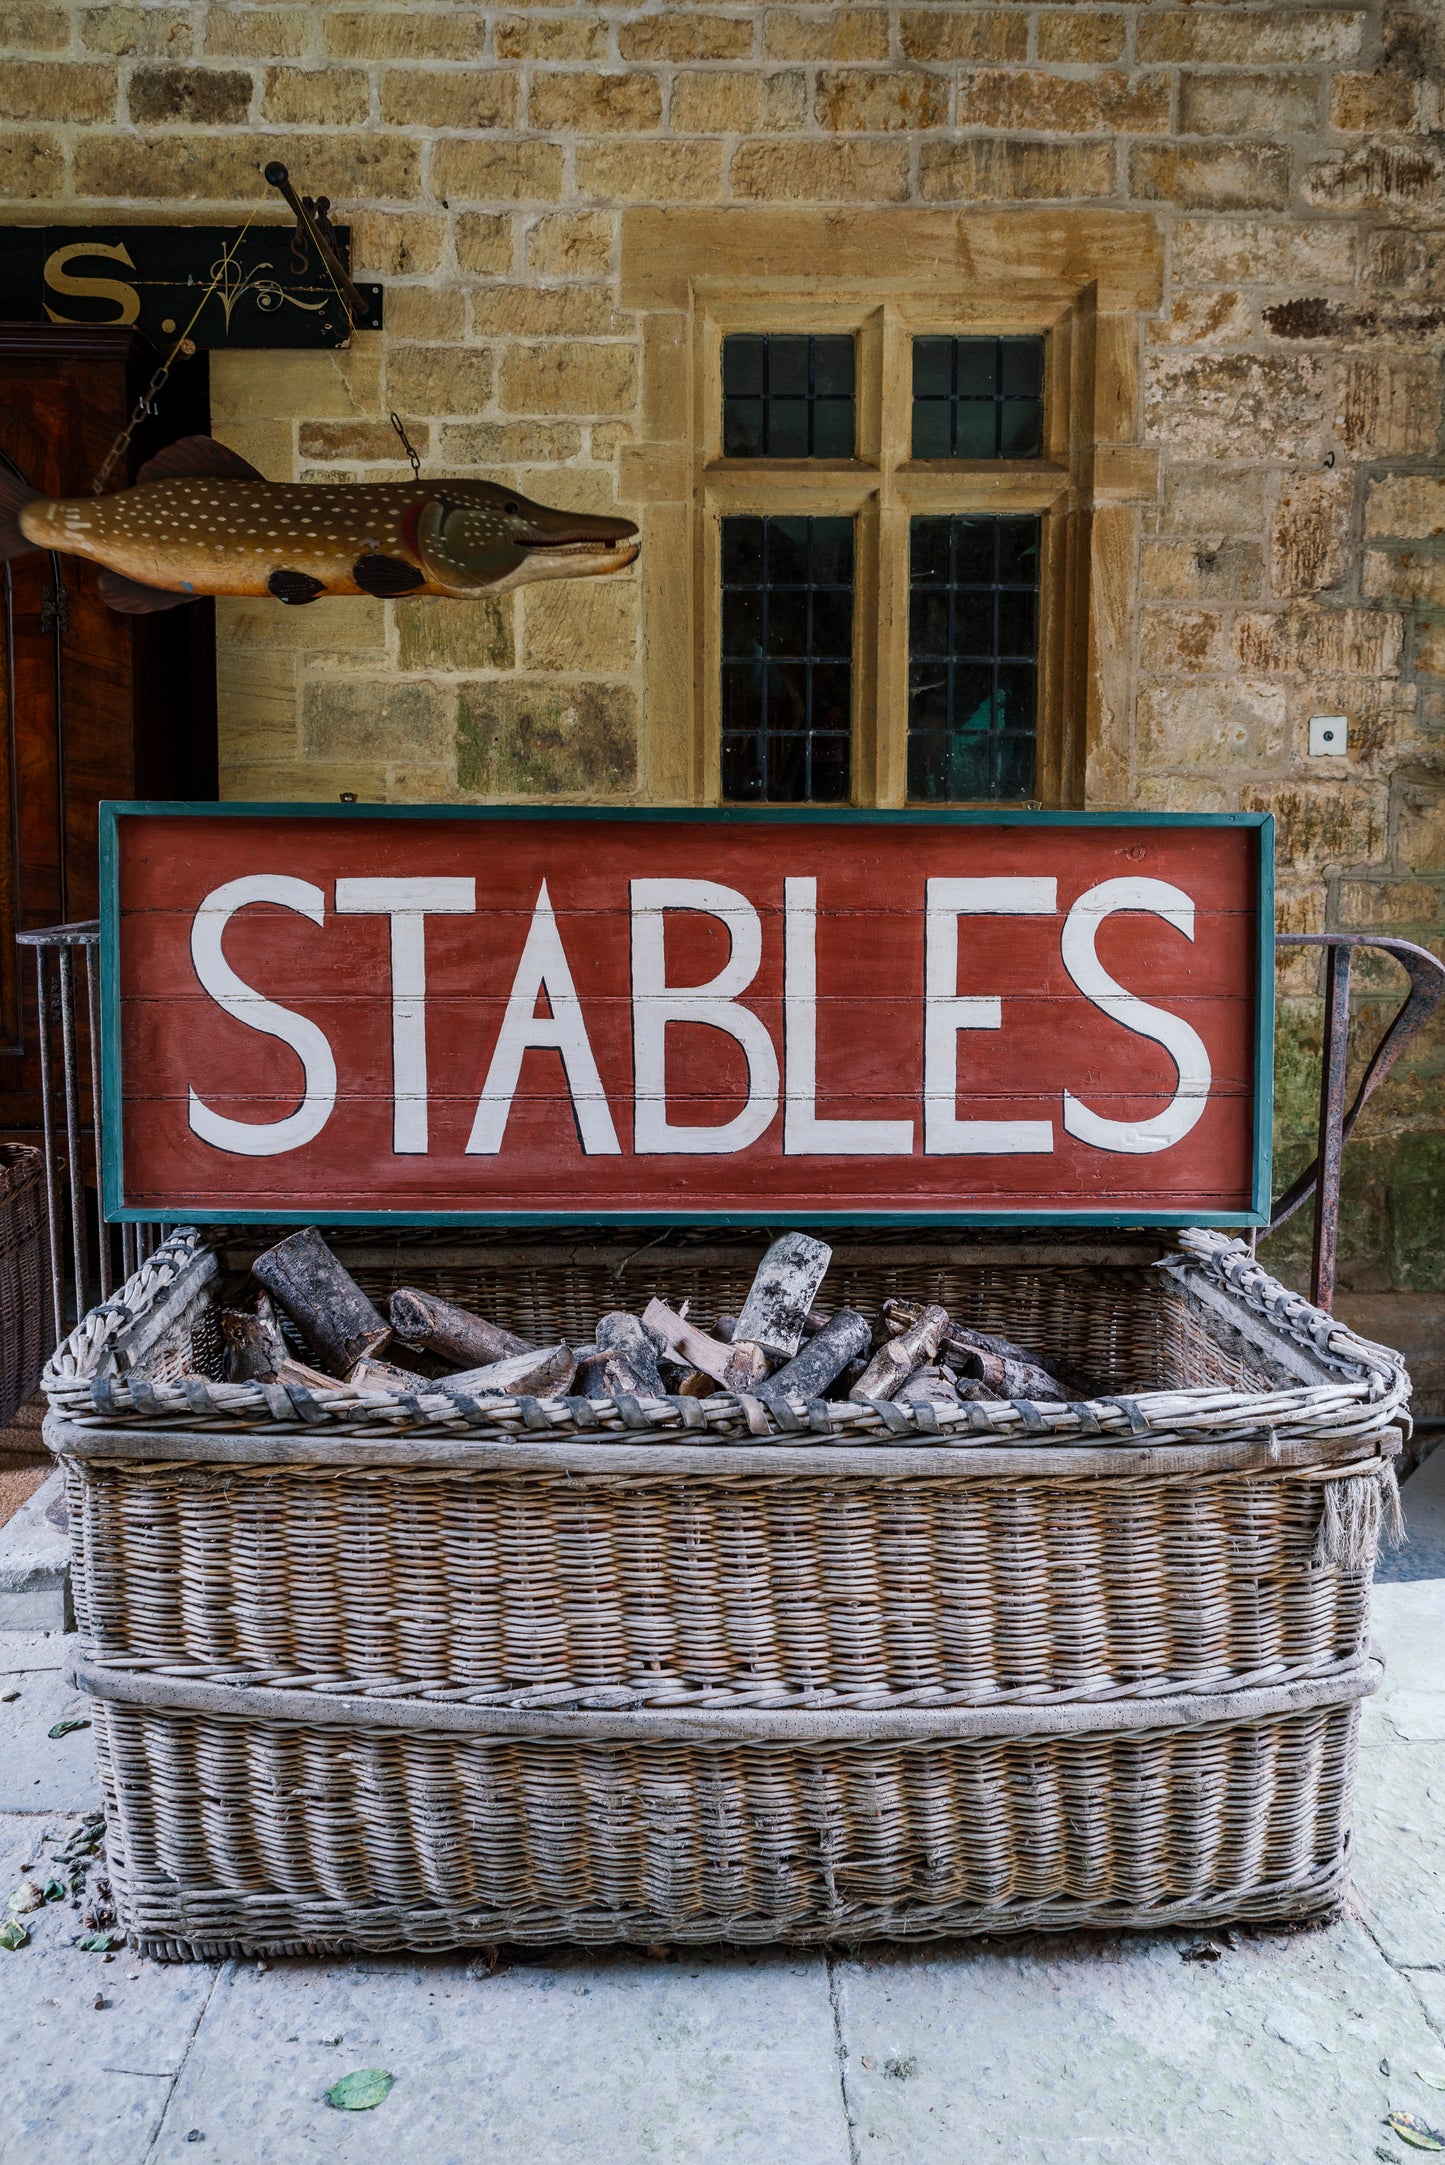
[787, 396]
[978, 398]
[973, 641]
[787, 660]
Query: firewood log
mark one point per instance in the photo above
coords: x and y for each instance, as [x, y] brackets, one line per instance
[783, 1290]
[540, 1372]
[626, 1363]
[369, 1375]
[309, 1379]
[897, 1358]
[421, 1319]
[1006, 1370]
[686, 1342]
[823, 1357]
[931, 1386]
[322, 1299]
[255, 1348]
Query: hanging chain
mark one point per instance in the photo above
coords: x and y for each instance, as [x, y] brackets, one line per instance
[407, 445]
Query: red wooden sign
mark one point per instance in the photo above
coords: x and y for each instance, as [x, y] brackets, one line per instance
[316, 1015]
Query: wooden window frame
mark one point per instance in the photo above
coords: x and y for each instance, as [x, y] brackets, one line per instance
[1081, 280]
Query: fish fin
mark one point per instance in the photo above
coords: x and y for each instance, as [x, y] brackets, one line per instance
[130, 598]
[197, 456]
[386, 575]
[15, 494]
[295, 586]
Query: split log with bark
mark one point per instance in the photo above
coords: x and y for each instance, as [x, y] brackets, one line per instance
[426, 1322]
[322, 1299]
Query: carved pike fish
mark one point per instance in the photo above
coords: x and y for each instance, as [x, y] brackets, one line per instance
[201, 521]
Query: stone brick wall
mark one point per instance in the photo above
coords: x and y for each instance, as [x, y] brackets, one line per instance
[1291, 564]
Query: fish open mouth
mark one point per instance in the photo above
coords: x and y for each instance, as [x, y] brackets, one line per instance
[586, 544]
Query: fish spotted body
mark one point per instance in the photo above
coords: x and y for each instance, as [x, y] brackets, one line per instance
[201, 522]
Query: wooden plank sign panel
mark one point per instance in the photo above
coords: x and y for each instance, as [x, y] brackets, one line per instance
[478, 1015]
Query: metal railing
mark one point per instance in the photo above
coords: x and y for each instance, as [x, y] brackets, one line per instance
[57, 946]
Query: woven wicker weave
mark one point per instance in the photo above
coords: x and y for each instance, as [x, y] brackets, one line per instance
[406, 1673]
[22, 1274]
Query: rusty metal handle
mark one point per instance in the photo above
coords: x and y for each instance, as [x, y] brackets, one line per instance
[1427, 988]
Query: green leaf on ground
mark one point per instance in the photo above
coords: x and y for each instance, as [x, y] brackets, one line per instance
[358, 2092]
[27, 1896]
[1432, 2082]
[99, 1943]
[1414, 2132]
[14, 1935]
[63, 1728]
[55, 1890]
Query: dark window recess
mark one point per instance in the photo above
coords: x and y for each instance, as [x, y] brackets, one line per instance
[978, 398]
[973, 643]
[787, 660]
[787, 397]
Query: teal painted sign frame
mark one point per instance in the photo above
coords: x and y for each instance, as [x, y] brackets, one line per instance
[117, 1210]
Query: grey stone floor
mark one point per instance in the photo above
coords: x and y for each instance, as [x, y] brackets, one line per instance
[1286, 2048]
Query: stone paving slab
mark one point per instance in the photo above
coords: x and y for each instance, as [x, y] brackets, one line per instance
[727, 2059]
[1115, 2050]
[1399, 1868]
[83, 2085]
[38, 1772]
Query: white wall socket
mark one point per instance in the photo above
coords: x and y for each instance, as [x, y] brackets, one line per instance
[1329, 736]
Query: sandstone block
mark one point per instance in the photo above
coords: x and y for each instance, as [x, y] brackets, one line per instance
[1377, 104]
[399, 244]
[961, 33]
[296, 385]
[425, 380]
[426, 314]
[201, 97]
[1390, 406]
[587, 626]
[543, 739]
[29, 26]
[32, 165]
[1204, 500]
[375, 718]
[352, 442]
[1035, 98]
[1252, 176]
[1213, 728]
[311, 781]
[570, 244]
[449, 98]
[257, 697]
[497, 172]
[340, 97]
[821, 172]
[1406, 507]
[568, 37]
[1205, 570]
[1309, 540]
[404, 34]
[354, 624]
[1204, 319]
[256, 33]
[1181, 642]
[785, 100]
[1377, 176]
[1065, 35]
[1410, 575]
[483, 241]
[841, 33]
[450, 638]
[227, 168]
[510, 443]
[595, 104]
[1384, 904]
[57, 90]
[1244, 37]
[1269, 105]
[1234, 405]
[544, 312]
[1420, 822]
[1315, 641]
[990, 171]
[712, 102]
[871, 100]
[569, 378]
[687, 37]
[650, 172]
[1320, 828]
[126, 32]
[1239, 251]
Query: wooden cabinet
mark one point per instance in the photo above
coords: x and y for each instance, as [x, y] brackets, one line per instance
[94, 704]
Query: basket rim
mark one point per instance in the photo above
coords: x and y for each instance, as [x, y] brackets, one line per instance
[1368, 1394]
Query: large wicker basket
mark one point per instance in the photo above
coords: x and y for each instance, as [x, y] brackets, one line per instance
[381, 1673]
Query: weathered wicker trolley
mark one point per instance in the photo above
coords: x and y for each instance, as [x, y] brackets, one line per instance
[384, 1673]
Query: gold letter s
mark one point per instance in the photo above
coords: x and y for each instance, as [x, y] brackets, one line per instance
[101, 289]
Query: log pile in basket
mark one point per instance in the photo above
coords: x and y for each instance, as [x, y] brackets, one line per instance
[784, 1345]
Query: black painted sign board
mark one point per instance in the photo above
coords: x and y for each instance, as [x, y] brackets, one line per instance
[272, 290]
